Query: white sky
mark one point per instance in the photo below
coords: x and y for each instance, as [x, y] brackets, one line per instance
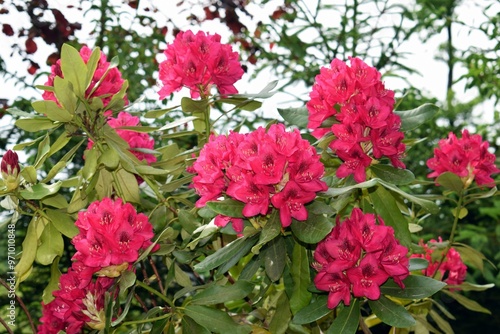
[432, 79]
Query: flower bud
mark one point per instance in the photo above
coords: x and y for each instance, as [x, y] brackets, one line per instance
[10, 169]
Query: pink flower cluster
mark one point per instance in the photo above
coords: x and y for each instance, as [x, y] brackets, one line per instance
[135, 140]
[355, 100]
[111, 235]
[260, 169]
[467, 157]
[77, 303]
[452, 270]
[197, 62]
[103, 85]
[357, 257]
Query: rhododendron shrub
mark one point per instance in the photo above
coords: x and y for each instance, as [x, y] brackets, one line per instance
[467, 157]
[304, 237]
[198, 61]
[261, 169]
[444, 264]
[357, 257]
[352, 103]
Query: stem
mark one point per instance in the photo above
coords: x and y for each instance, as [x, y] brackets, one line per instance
[155, 270]
[147, 320]
[153, 291]
[23, 307]
[453, 230]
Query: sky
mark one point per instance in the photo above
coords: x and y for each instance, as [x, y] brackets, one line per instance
[432, 77]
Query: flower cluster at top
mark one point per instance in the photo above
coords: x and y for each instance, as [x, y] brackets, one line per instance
[134, 139]
[259, 169]
[111, 235]
[467, 157]
[105, 83]
[198, 62]
[357, 257]
[355, 106]
[452, 269]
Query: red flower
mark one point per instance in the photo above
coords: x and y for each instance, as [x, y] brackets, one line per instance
[197, 62]
[290, 201]
[356, 101]
[236, 223]
[467, 157]
[10, 169]
[338, 286]
[367, 278]
[111, 233]
[254, 195]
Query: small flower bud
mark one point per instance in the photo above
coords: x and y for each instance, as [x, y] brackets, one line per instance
[10, 169]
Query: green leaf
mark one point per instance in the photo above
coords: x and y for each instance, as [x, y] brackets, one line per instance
[393, 175]
[54, 171]
[282, 315]
[228, 207]
[92, 65]
[411, 119]
[74, 69]
[189, 105]
[158, 112]
[60, 142]
[385, 206]
[470, 255]
[109, 158]
[35, 124]
[242, 103]
[275, 258]
[191, 326]
[466, 286]
[299, 269]
[442, 323]
[270, 231]
[461, 214]
[30, 245]
[181, 277]
[450, 181]
[344, 190]
[62, 222]
[418, 264]
[126, 186]
[298, 117]
[53, 285]
[177, 123]
[52, 111]
[51, 245]
[40, 190]
[313, 230]
[347, 321]
[391, 313]
[416, 287]
[29, 174]
[65, 96]
[43, 152]
[427, 205]
[215, 320]
[227, 253]
[467, 303]
[264, 93]
[216, 294]
[312, 312]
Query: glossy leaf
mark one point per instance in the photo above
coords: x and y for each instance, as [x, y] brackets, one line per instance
[442, 323]
[467, 303]
[62, 222]
[40, 190]
[392, 174]
[74, 69]
[35, 124]
[427, 205]
[191, 326]
[385, 206]
[298, 117]
[65, 96]
[391, 313]
[470, 255]
[50, 246]
[416, 287]
[189, 105]
[347, 320]
[312, 312]
[242, 103]
[228, 207]
[158, 112]
[275, 258]
[418, 264]
[411, 119]
[282, 315]
[300, 271]
[270, 231]
[216, 294]
[215, 320]
[30, 245]
[53, 284]
[313, 230]
[126, 185]
[450, 181]
[227, 253]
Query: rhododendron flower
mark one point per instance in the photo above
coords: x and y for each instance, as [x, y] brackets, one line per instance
[105, 83]
[365, 126]
[357, 257]
[198, 62]
[111, 233]
[10, 169]
[265, 170]
[467, 157]
[75, 305]
[452, 270]
[236, 223]
[135, 140]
